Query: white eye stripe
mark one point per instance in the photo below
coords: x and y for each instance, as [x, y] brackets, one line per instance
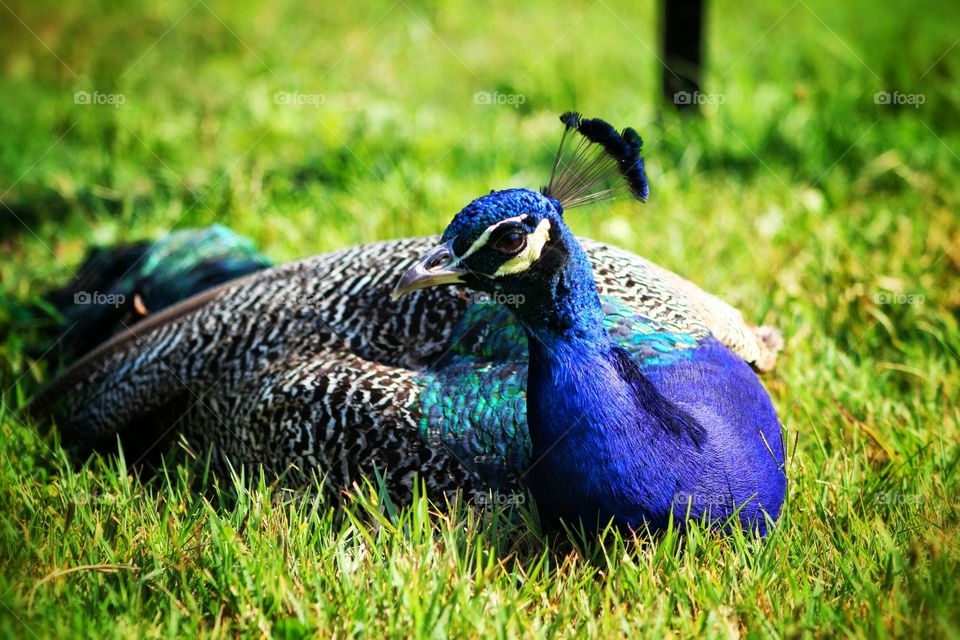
[485, 236]
[530, 254]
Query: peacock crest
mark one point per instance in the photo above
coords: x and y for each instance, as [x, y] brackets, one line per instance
[594, 162]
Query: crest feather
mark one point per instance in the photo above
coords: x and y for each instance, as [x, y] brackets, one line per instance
[597, 165]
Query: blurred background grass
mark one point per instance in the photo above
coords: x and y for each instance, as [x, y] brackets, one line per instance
[796, 197]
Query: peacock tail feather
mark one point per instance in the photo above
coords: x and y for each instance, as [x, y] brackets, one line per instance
[116, 287]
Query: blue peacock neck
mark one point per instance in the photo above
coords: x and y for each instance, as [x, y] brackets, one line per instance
[568, 308]
[574, 370]
[595, 421]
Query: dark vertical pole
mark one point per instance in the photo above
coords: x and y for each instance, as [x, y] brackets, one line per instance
[682, 52]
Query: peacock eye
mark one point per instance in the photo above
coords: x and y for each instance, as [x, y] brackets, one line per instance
[511, 242]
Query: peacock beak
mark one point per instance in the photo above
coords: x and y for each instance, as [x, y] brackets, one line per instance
[434, 268]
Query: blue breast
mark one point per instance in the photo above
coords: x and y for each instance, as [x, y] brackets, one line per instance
[474, 405]
[743, 458]
[698, 435]
[474, 398]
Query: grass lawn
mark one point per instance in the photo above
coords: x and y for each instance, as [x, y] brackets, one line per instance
[799, 196]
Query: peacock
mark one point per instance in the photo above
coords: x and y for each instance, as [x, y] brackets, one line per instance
[505, 355]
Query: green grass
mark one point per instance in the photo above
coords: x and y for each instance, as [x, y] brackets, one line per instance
[798, 199]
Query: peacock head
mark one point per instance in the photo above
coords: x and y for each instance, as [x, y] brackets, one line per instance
[495, 244]
[516, 241]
